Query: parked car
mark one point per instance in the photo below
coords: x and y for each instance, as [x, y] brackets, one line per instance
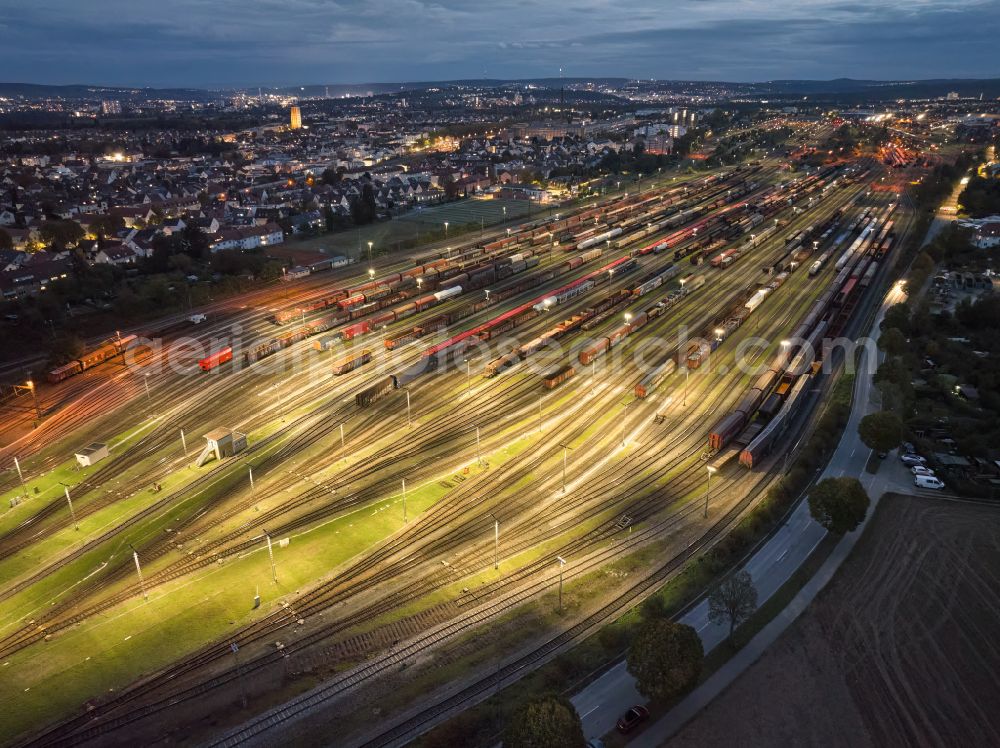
[595, 743]
[632, 718]
[911, 460]
[928, 481]
[908, 448]
[921, 470]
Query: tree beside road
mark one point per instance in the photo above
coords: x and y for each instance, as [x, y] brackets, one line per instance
[546, 722]
[733, 601]
[665, 659]
[839, 504]
[881, 431]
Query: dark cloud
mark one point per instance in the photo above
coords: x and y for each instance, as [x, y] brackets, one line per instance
[251, 42]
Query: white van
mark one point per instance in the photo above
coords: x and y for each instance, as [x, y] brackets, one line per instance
[927, 481]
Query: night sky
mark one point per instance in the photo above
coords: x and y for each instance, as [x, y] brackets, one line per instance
[212, 43]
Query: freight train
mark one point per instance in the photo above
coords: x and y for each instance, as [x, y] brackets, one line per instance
[92, 358]
[786, 374]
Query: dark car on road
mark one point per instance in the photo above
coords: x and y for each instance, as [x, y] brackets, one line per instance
[632, 718]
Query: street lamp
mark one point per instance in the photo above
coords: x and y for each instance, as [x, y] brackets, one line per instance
[371, 273]
[487, 295]
[30, 385]
[445, 229]
[496, 541]
[370, 252]
[270, 555]
[565, 449]
[628, 317]
[562, 563]
[708, 488]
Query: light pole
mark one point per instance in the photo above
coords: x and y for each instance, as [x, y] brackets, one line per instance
[496, 541]
[562, 563]
[624, 414]
[565, 449]
[487, 296]
[145, 381]
[138, 570]
[30, 384]
[72, 513]
[370, 255]
[409, 421]
[539, 414]
[468, 376]
[479, 454]
[404, 501]
[234, 648]
[343, 447]
[184, 443]
[270, 555]
[708, 488]
[445, 229]
[20, 476]
[687, 374]
[253, 490]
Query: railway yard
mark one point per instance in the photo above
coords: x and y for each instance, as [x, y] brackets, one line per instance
[432, 442]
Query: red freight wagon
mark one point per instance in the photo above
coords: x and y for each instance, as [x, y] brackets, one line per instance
[352, 331]
[216, 359]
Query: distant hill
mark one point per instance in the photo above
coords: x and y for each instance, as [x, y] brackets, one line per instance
[989, 87]
[82, 91]
[837, 88]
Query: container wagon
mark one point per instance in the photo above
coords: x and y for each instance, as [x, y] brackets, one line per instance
[350, 363]
[652, 380]
[376, 391]
[555, 378]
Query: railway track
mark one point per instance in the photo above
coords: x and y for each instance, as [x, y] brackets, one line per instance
[541, 459]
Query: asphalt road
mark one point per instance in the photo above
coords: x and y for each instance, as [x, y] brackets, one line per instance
[607, 698]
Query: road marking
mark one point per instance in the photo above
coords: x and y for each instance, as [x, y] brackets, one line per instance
[583, 716]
